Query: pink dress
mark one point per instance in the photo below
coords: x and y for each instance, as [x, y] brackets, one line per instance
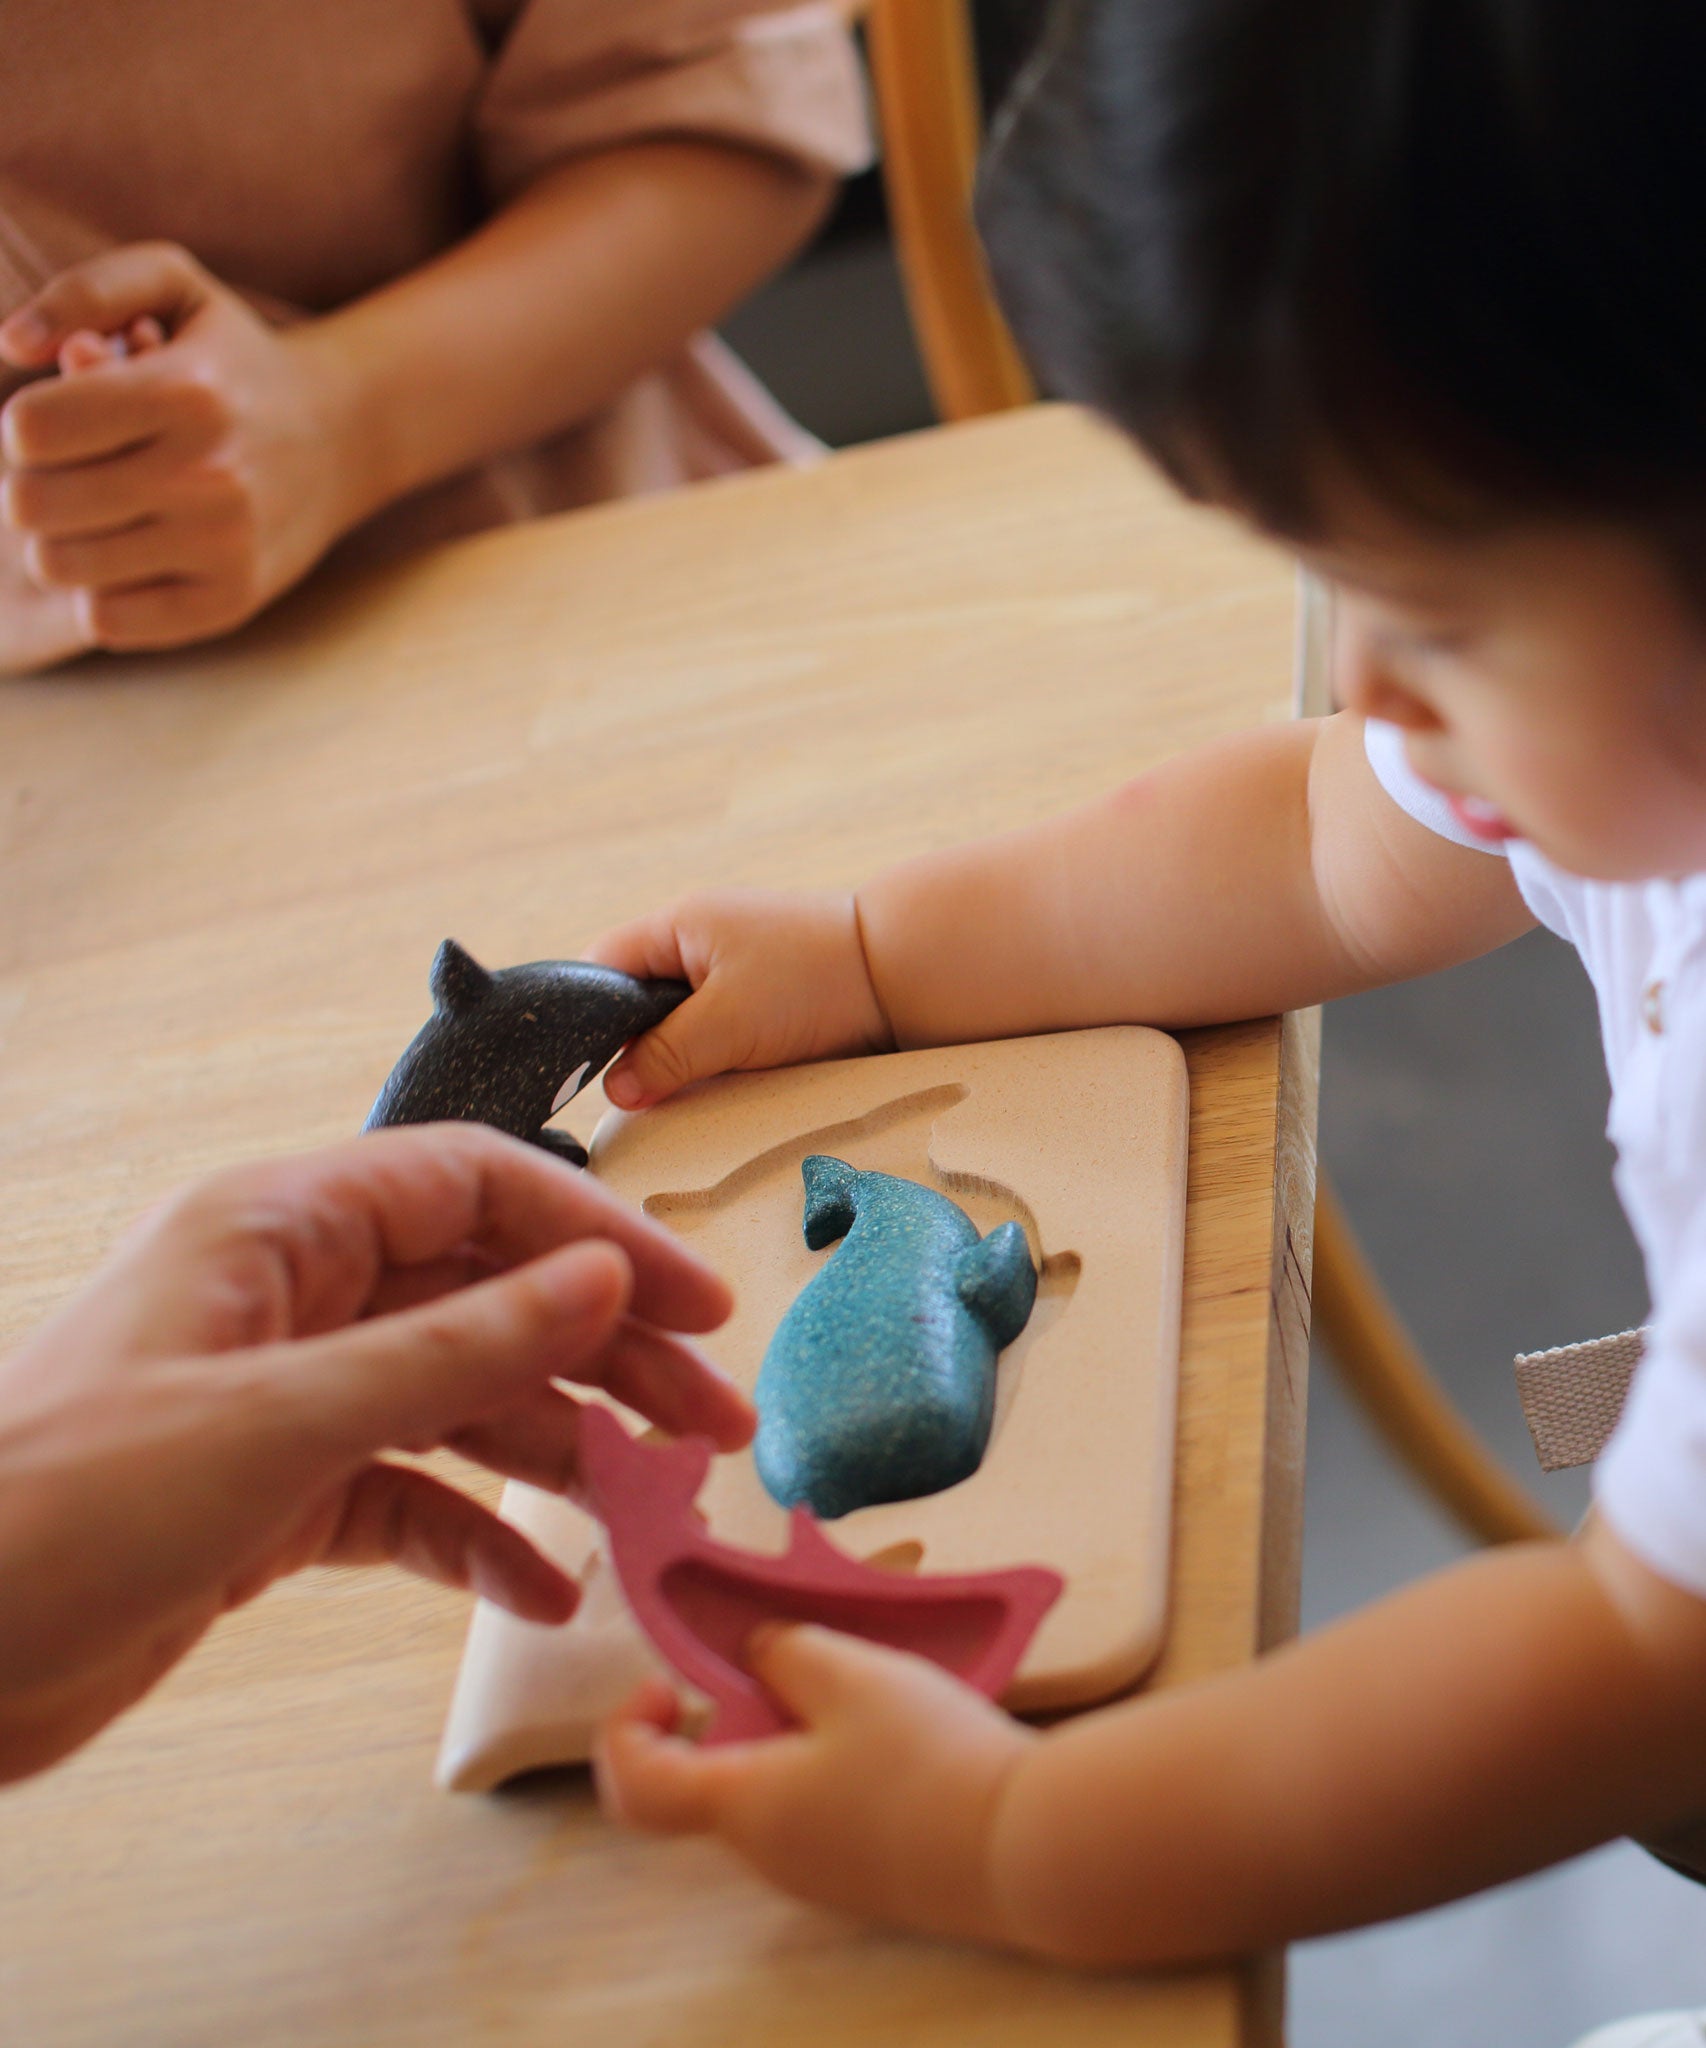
[308, 151]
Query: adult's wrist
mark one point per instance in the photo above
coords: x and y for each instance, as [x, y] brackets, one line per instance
[365, 447]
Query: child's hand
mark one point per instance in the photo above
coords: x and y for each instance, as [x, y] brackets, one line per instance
[210, 1412]
[41, 627]
[882, 1804]
[171, 490]
[38, 628]
[777, 978]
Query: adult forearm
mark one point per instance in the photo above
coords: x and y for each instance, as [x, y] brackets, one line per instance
[594, 274]
[1478, 1726]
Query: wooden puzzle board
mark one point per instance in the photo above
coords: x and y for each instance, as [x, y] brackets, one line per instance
[1081, 1136]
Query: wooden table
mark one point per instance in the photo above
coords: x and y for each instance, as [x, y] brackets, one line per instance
[223, 876]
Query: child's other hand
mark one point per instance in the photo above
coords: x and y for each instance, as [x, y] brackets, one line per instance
[41, 627]
[883, 1803]
[38, 628]
[777, 979]
[169, 489]
[211, 1411]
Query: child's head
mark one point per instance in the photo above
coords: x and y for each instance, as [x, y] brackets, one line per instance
[1419, 286]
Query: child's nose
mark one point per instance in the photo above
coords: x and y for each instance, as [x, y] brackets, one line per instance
[1363, 683]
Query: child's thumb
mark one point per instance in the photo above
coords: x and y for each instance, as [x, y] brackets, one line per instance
[810, 1670]
[703, 1037]
[407, 1381]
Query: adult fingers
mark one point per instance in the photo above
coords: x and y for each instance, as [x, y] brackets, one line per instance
[394, 1515]
[302, 1246]
[115, 491]
[538, 1439]
[107, 293]
[673, 1385]
[402, 1287]
[119, 404]
[173, 546]
[170, 612]
[431, 1189]
[411, 1381]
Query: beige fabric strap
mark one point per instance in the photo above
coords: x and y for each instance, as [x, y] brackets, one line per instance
[1572, 1396]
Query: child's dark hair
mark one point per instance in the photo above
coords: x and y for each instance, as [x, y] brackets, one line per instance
[1451, 250]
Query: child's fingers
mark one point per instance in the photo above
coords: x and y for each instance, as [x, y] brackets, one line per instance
[711, 1033]
[650, 1779]
[144, 334]
[106, 293]
[649, 948]
[84, 349]
[394, 1515]
[816, 1673]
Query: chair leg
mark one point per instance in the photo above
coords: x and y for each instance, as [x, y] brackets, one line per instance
[1412, 1412]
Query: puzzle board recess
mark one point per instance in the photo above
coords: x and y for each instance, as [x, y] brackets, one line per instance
[1081, 1137]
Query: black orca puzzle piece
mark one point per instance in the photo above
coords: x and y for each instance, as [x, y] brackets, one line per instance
[509, 1046]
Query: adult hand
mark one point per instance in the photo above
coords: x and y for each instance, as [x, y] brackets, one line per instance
[41, 627]
[172, 490]
[210, 1411]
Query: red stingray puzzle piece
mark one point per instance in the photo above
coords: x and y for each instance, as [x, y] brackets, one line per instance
[699, 1600]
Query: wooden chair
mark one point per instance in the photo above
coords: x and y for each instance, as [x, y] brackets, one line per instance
[923, 60]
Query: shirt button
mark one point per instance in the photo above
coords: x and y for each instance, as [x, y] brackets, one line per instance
[1653, 1007]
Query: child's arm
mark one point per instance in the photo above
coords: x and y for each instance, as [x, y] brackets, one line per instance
[181, 492]
[1500, 1716]
[1264, 872]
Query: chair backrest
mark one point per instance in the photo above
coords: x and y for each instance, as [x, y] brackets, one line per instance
[923, 64]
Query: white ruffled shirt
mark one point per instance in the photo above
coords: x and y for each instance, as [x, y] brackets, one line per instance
[1644, 947]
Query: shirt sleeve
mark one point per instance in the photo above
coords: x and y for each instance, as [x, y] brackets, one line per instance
[1650, 1482]
[1384, 745]
[569, 76]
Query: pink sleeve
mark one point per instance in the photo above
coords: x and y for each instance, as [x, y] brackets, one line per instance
[570, 76]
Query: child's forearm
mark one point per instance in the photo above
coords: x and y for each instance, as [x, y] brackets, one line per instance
[1487, 1722]
[598, 271]
[1234, 881]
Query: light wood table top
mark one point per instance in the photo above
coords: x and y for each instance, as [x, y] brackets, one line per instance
[223, 876]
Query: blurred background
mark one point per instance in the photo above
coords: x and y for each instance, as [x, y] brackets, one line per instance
[1462, 1119]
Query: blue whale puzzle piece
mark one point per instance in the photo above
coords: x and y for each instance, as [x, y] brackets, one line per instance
[879, 1383]
[509, 1046]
